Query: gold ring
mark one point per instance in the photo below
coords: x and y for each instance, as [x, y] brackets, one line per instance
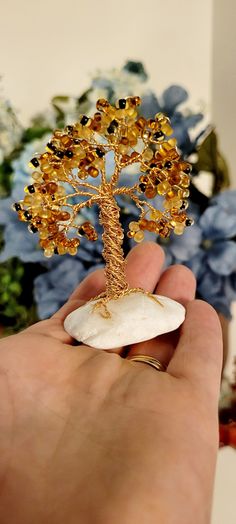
[151, 361]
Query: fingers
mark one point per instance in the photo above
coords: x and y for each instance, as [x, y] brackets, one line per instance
[198, 356]
[144, 264]
[178, 283]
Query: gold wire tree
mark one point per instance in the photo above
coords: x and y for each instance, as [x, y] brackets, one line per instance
[78, 153]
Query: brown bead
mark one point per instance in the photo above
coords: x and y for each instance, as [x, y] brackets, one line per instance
[64, 215]
[143, 223]
[151, 226]
[51, 188]
[102, 104]
[150, 192]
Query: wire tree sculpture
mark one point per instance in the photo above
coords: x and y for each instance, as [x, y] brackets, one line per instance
[78, 153]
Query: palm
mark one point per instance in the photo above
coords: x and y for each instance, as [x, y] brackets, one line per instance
[87, 433]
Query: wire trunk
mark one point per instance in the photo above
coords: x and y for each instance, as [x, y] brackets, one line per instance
[113, 235]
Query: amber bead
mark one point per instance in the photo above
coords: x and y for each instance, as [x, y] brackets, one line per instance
[185, 181]
[174, 178]
[148, 154]
[139, 236]
[134, 226]
[163, 187]
[93, 171]
[143, 223]
[51, 188]
[179, 229]
[124, 159]
[164, 232]
[156, 214]
[150, 192]
[64, 215]
[130, 234]
[151, 225]
[102, 104]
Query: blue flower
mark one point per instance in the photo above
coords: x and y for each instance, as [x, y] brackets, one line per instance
[52, 289]
[214, 264]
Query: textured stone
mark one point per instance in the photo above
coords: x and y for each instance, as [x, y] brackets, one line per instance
[134, 318]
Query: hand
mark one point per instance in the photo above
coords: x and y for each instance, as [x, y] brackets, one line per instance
[87, 436]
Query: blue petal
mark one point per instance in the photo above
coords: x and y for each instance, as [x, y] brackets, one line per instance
[227, 200]
[222, 258]
[53, 288]
[186, 246]
[197, 264]
[217, 223]
[20, 243]
[172, 97]
[150, 105]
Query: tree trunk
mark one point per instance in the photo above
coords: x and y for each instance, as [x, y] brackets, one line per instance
[116, 283]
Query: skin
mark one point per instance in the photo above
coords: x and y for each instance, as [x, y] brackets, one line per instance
[86, 436]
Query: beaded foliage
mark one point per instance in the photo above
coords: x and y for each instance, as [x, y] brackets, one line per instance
[78, 153]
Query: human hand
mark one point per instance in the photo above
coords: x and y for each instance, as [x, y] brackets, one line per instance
[89, 437]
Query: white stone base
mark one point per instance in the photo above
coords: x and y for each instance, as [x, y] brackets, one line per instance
[134, 318]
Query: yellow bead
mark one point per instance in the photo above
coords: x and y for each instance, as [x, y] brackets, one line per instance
[167, 129]
[139, 236]
[48, 252]
[163, 187]
[179, 229]
[134, 226]
[172, 142]
[148, 154]
[155, 215]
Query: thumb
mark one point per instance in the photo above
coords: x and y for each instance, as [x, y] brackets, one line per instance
[198, 356]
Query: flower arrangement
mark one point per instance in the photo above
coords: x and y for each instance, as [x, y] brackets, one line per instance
[31, 286]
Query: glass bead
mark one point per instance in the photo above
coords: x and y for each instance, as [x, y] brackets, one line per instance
[93, 171]
[48, 252]
[144, 179]
[148, 154]
[72, 250]
[140, 123]
[185, 181]
[172, 142]
[143, 223]
[36, 175]
[102, 104]
[134, 226]
[51, 188]
[61, 249]
[164, 232]
[16, 206]
[155, 215]
[150, 192]
[64, 215]
[139, 236]
[189, 222]
[27, 200]
[174, 178]
[151, 226]
[179, 229]
[163, 187]
[167, 129]
[130, 234]
[34, 162]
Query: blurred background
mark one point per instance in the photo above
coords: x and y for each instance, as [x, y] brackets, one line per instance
[53, 48]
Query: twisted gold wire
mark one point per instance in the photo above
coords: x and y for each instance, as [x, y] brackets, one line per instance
[112, 237]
